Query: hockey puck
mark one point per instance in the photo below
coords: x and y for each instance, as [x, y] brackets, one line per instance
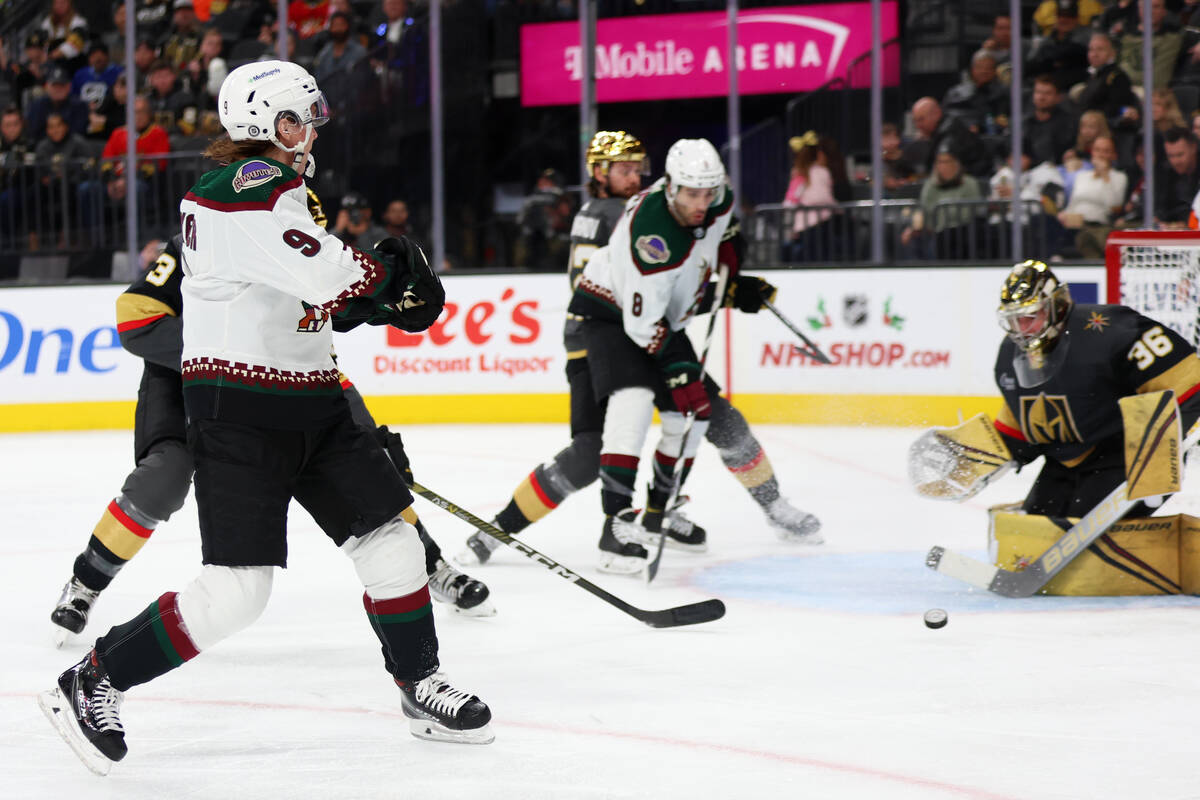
[936, 618]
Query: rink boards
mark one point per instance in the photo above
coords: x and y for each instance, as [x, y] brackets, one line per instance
[909, 346]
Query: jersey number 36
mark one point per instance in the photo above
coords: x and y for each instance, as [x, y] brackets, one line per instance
[1153, 344]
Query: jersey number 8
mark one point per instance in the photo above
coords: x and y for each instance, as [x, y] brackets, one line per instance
[1153, 344]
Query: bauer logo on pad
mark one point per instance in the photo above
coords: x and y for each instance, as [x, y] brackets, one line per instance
[254, 173]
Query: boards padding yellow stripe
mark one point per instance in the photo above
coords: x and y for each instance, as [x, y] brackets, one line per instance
[1152, 444]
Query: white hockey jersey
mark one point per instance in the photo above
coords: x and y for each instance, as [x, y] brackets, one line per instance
[653, 271]
[261, 281]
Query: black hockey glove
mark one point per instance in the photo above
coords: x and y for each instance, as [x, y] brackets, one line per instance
[748, 293]
[686, 383]
[395, 450]
[420, 291]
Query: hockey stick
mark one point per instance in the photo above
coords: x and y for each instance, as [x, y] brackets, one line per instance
[690, 614]
[677, 471]
[810, 348]
[1031, 579]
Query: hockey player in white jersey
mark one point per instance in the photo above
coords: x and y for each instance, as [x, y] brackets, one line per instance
[264, 287]
[636, 296]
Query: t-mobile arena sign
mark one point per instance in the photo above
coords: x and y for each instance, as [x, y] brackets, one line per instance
[664, 56]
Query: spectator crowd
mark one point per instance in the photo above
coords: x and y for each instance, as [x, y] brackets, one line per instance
[1082, 172]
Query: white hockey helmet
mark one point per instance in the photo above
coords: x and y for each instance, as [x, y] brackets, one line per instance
[255, 96]
[697, 164]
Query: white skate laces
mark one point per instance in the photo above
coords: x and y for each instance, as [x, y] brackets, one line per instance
[439, 696]
[104, 707]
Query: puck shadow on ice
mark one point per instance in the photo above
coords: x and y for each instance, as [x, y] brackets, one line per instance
[884, 583]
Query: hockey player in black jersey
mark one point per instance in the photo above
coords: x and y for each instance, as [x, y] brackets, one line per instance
[618, 161]
[150, 326]
[1061, 370]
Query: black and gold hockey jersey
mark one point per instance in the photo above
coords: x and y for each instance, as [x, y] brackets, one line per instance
[149, 312]
[1113, 352]
[150, 325]
[589, 232]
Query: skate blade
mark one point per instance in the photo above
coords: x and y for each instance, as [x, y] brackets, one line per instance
[433, 732]
[61, 636]
[484, 609]
[58, 711]
[615, 564]
[791, 537]
[650, 542]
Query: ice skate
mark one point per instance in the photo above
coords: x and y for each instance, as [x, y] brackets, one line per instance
[620, 551]
[683, 534]
[793, 525]
[85, 709]
[461, 592]
[71, 613]
[480, 547]
[440, 713]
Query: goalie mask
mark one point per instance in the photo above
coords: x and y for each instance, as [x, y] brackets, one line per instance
[256, 97]
[1034, 306]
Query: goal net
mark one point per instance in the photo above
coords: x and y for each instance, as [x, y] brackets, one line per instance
[1158, 274]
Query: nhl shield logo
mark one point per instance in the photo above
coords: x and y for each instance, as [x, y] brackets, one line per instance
[652, 249]
[854, 310]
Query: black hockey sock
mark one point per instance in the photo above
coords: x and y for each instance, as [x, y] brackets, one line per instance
[618, 474]
[664, 472]
[406, 631]
[757, 475]
[117, 537]
[151, 644]
[433, 553]
[96, 566]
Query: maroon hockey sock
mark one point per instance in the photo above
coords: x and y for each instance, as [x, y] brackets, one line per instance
[405, 629]
[151, 644]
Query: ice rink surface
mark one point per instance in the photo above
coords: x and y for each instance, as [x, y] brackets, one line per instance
[821, 681]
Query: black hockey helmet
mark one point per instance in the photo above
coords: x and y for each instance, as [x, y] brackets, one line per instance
[1034, 305]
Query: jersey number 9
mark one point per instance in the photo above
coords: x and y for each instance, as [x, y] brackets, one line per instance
[307, 245]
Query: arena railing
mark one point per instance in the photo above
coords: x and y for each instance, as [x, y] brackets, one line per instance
[953, 231]
[75, 208]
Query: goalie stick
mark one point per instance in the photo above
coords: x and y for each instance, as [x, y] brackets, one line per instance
[1031, 579]
[810, 348]
[690, 614]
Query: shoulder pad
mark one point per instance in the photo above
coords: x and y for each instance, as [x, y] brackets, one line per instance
[656, 241]
[245, 185]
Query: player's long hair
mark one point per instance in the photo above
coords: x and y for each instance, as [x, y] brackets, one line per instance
[225, 151]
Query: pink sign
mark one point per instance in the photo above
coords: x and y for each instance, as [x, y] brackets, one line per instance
[657, 57]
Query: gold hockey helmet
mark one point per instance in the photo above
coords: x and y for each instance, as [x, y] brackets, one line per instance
[1034, 305]
[609, 146]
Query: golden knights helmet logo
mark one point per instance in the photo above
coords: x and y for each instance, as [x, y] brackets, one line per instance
[1048, 419]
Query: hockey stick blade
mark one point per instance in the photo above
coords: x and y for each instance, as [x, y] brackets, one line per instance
[1030, 580]
[691, 614]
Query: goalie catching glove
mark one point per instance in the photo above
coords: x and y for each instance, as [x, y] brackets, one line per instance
[957, 463]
